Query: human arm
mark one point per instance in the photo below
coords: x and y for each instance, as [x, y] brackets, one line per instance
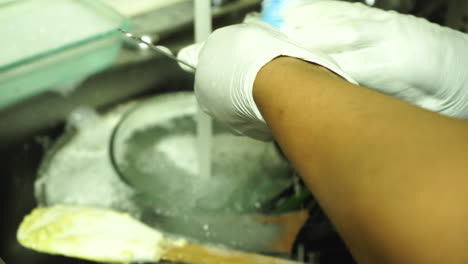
[345, 140]
[392, 177]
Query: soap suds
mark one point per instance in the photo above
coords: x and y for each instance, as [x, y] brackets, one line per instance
[80, 172]
[158, 145]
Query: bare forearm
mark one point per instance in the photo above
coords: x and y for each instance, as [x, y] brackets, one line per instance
[391, 176]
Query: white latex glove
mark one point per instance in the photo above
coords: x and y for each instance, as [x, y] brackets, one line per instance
[401, 55]
[227, 65]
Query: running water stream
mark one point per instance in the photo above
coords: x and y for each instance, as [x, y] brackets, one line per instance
[204, 122]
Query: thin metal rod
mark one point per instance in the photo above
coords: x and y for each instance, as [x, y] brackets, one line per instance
[155, 48]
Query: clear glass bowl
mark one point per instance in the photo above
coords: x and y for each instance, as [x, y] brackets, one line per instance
[153, 149]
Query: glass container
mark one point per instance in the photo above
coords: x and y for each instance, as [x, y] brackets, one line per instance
[153, 150]
[48, 43]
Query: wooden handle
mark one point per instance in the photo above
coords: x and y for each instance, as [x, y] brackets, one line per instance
[199, 254]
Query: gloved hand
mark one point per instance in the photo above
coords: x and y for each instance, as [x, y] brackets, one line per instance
[401, 55]
[227, 64]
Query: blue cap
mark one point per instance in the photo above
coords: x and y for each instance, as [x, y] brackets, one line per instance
[272, 12]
